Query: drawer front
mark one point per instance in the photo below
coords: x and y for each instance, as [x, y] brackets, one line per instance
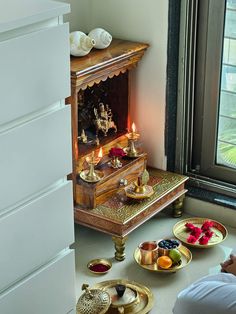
[34, 155]
[34, 233]
[50, 290]
[34, 71]
[111, 186]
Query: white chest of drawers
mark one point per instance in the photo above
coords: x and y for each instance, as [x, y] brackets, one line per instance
[36, 210]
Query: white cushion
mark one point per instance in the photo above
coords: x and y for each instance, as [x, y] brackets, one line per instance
[213, 294]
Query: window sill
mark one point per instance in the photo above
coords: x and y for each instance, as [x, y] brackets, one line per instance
[211, 197]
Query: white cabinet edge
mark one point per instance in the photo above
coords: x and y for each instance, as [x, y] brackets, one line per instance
[29, 12]
[58, 257]
[50, 289]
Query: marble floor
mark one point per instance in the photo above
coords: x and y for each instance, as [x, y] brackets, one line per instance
[91, 244]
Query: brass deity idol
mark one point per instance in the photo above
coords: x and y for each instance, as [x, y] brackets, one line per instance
[103, 119]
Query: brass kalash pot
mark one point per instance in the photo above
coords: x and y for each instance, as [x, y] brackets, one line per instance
[93, 301]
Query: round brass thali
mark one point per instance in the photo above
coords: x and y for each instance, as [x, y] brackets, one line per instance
[186, 257]
[219, 231]
[144, 295]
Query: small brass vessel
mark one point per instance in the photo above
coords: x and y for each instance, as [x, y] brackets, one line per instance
[83, 137]
[99, 266]
[93, 301]
[140, 189]
[125, 302]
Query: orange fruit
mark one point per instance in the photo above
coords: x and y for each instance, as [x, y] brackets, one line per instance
[164, 262]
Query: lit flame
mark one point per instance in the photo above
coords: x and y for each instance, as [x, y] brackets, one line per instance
[133, 128]
[100, 153]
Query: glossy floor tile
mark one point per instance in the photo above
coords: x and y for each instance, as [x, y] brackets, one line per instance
[92, 244]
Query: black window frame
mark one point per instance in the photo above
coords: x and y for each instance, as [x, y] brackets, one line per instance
[180, 154]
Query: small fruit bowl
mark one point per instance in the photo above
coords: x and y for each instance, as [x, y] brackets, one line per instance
[163, 263]
[166, 245]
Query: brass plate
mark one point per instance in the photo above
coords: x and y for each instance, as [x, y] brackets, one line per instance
[130, 192]
[181, 233]
[186, 257]
[83, 175]
[146, 297]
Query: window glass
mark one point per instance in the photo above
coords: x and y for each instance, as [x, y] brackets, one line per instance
[226, 137]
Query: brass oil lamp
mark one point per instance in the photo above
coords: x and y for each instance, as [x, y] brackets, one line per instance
[132, 136]
[91, 175]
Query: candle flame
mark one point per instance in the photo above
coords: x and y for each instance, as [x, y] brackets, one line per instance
[133, 128]
[100, 153]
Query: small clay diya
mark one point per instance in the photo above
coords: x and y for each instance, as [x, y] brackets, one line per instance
[99, 266]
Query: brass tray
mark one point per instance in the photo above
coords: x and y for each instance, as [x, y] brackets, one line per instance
[181, 233]
[146, 298]
[186, 257]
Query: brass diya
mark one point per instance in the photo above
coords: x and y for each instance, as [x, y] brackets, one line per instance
[91, 175]
[132, 137]
[93, 301]
[83, 137]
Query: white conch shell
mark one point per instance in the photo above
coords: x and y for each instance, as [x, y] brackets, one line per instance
[80, 44]
[101, 36]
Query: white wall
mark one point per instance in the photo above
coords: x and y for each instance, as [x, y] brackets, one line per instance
[145, 21]
[78, 18]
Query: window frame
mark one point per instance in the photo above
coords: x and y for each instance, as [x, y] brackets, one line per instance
[201, 172]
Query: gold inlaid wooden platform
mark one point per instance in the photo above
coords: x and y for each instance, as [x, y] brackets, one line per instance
[121, 209]
[119, 215]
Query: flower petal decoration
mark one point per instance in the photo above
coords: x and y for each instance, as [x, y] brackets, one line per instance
[191, 239]
[207, 225]
[209, 234]
[202, 234]
[117, 152]
[189, 226]
[196, 232]
[204, 240]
